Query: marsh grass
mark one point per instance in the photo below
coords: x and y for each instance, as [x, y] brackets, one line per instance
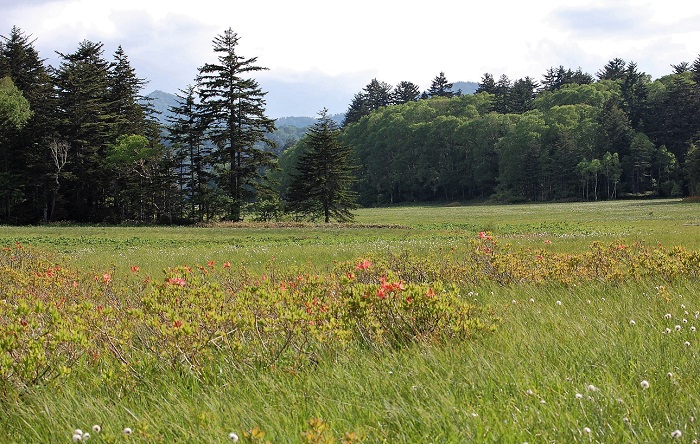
[565, 364]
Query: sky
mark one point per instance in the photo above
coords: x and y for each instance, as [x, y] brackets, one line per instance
[319, 53]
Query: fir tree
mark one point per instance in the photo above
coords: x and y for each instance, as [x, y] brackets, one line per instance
[234, 106]
[440, 87]
[321, 186]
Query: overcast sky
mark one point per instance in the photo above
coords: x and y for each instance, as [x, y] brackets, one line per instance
[321, 52]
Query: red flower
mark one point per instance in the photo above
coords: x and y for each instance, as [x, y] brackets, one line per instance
[177, 324]
[431, 292]
[210, 264]
[363, 265]
[227, 264]
[134, 268]
[176, 281]
[381, 293]
[106, 278]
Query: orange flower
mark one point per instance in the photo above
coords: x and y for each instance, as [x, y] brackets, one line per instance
[134, 268]
[227, 264]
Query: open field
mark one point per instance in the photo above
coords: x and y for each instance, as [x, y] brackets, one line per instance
[573, 323]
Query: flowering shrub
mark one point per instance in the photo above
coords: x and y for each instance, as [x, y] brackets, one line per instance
[52, 317]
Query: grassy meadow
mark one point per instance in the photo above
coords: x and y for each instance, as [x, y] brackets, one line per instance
[572, 322]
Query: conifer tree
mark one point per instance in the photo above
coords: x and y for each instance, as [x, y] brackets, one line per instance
[405, 92]
[322, 185]
[234, 106]
[26, 168]
[84, 121]
[440, 87]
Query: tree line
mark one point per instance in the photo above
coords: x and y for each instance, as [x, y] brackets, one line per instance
[79, 142]
[570, 136]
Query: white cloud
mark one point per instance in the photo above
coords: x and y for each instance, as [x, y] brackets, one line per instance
[338, 47]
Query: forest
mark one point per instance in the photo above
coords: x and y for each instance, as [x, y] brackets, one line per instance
[80, 142]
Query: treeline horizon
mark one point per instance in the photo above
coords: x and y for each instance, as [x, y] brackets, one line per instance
[79, 142]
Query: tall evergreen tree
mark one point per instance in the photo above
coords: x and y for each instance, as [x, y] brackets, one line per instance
[377, 94]
[405, 92]
[613, 70]
[357, 109]
[440, 87]
[193, 158]
[522, 95]
[234, 106]
[487, 84]
[25, 175]
[322, 185]
[128, 106]
[503, 95]
[84, 121]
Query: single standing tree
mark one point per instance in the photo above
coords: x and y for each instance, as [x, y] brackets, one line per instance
[321, 186]
[234, 107]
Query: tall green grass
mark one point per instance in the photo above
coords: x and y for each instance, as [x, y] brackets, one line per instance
[566, 364]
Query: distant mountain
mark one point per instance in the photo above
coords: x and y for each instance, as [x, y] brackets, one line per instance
[466, 87]
[162, 101]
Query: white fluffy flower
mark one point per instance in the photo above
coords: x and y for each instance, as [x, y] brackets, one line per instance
[676, 434]
[586, 430]
[644, 384]
[233, 437]
[77, 437]
[96, 428]
[127, 431]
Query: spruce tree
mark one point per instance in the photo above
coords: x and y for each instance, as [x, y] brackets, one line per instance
[440, 87]
[405, 92]
[84, 121]
[25, 174]
[234, 106]
[322, 185]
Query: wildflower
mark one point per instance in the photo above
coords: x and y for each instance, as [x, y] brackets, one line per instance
[127, 431]
[676, 434]
[78, 432]
[685, 321]
[558, 302]
[134, 268]
[667, 316]
[668, 330]
[227, 264]
[77, 437]
[586, 430]
[592, 388]
[106, 278]
[632, 322]
[579, 396]
[233, 437]
[678, 328]
[692, 328]
[644, 384]
[363, 265]
[86, 436]
[542, 401]
[431, 292]
[532, 299]
[669, 374]
[547, 241]
[96, 428]
[210, 264]
[529, 392]
[474, 414]
[687, 344]
[514, 302]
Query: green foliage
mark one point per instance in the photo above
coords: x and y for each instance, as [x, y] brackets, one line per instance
[321, 186]
[233, 108]
[14, 108]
